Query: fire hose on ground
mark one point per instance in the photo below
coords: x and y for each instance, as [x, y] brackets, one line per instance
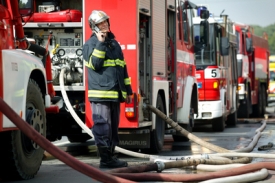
[168, 120]
[111, 176]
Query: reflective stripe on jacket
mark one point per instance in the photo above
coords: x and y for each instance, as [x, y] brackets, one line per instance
[107, 72]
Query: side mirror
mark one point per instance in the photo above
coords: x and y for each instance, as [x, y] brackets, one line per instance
[204, 14]
[25, 7]
[249, 47]
[204, 32]
[224, 46]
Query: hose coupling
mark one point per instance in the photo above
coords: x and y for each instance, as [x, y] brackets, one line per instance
[160, 165]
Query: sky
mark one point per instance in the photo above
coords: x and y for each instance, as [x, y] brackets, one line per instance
[252, 12]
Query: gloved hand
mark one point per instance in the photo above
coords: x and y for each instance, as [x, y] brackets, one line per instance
[128, 99]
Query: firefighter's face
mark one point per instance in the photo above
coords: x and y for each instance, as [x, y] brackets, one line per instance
[103, 26]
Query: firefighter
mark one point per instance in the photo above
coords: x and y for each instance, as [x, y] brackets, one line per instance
[108, 84]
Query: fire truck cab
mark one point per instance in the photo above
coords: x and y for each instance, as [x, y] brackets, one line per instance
[216, 70]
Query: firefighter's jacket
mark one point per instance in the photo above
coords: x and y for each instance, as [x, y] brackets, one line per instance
[107, 72]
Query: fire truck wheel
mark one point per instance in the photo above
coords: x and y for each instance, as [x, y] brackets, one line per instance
[157, 135]
[21, 156]
[258, 108]
[218, 124]
[243, 110]
[232, 119]
[264, 100]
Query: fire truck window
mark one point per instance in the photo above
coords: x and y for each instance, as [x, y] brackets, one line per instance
[190, 16]
[204, 52]
[185, 25]
[25, 3]
[238, 41]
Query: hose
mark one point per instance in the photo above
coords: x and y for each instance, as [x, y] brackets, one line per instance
[249, 177]
[187, 134]
[213, 168]
[251, 155]
[256, 138]
[249, 148]
[159, 165]
[53, 150]
[139, 177]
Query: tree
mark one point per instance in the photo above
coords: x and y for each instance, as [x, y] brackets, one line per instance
[270, 30]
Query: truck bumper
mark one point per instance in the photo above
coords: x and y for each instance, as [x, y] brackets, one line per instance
[209, 110]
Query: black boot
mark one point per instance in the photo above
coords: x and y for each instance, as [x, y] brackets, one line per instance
[107, 160]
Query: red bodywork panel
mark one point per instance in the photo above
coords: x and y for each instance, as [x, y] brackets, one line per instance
[124, 26]
[205, 86]
[59, 16]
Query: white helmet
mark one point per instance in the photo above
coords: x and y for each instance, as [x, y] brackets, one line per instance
[97, 17]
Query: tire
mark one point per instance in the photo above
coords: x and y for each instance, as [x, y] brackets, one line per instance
[264, 99]
[21, 157]
[218, 124]
[243, 110]
[178, 137]
[232, 118]
[258, 108]
[157, 135]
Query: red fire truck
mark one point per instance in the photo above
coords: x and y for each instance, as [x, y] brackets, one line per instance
[216, 71]
[156, 39]
[253, 72]
[25, 85]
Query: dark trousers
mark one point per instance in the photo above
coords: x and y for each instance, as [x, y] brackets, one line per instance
[105, 116]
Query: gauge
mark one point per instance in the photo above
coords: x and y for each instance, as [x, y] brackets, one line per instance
[78, 52]
[67, 51]
[72, 51]
[61, 52]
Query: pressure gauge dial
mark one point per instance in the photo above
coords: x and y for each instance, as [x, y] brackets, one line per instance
[78, 52]
[61, 52]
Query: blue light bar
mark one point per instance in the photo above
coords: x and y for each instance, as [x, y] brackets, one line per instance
[199, 10]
